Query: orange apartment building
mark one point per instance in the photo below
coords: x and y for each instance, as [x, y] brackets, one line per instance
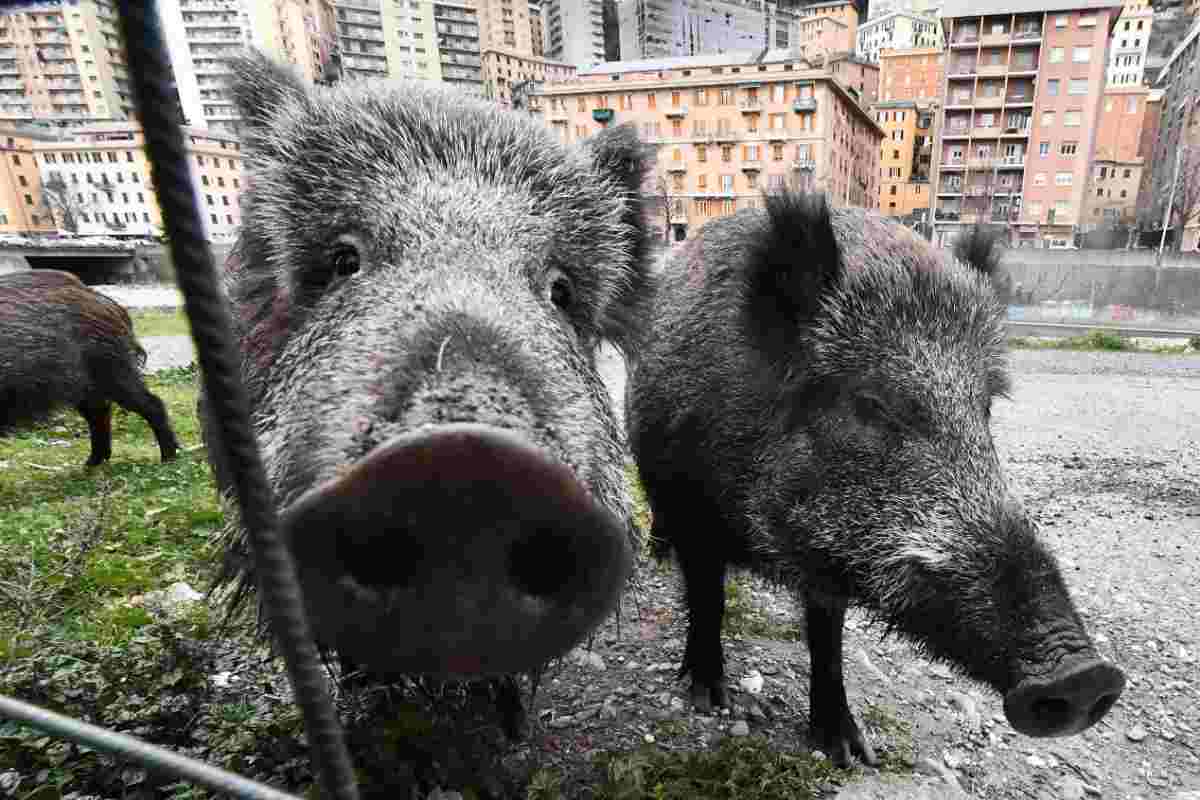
[504, 69]
[915, 74]
[859, 76]
[905, 158]
[1022, 108]
[725, 128]
[1149, 137]
[1117, 164]
[21, 209]
[826, 29]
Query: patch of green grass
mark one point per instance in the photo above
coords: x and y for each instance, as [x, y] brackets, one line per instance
[746, 769]
[545, 784]
[1101, 340]
[78, 545]
[744, 618]
[881, 722]
[153, 322]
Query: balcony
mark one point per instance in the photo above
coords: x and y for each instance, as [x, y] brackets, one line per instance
[986, 133]
[956, 132]
[727, 135]
[804, 163]
[603, 115]
[992, 69]
[989, 101]
[950, 190]
[953, 163]
[1016, 130]
[677, 111]
[995, 39]
[776, 134]
[959, 101]
[677, 166]
[979, 163]
[752, 165]
[558, 115]
[804, 104]
[965, 40]
[964, 70]
[1010, 162]
[1019, 100]
[1017, 68]
[1027, 35]
[751, 106]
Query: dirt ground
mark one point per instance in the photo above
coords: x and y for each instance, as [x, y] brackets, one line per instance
[1103, 448]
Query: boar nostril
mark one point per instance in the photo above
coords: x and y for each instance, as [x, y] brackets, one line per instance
[380, 558]
[1053, 712]
[542, 564]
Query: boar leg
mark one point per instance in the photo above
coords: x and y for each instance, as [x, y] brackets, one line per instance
[131, 393]
[704, 579]
[98, 414]
[832, 726]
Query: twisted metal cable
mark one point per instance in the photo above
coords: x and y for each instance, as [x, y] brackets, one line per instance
[150, 756]
[207, 312]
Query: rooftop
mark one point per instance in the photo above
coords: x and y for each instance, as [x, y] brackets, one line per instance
[735, 58]
[926, 18]
[979, 8]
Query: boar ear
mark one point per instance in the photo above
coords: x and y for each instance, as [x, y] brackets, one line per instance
[793, 262]
[620, 155]
[261, 86]
[978, 248]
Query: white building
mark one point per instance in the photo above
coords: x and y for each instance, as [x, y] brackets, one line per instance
[1127, 50]
[881, 8]
[899, 30]
[680, 28]
[574, 31]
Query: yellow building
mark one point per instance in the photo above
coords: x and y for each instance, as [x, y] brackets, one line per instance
[503, 69]
[726, 127]
[505, 25]
[905, 158]
[96, 180]
[63, 64]
[21, 210]
[913, 74]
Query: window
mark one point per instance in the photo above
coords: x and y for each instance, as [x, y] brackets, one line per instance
[1081, 55]
[1087, 21]
[1067, 148]
[1057, 55]
[1044, 149]
[1099, 193]
[1131, 105]
[727, 153]
[1108, 104]
[1039, 179]
[726, 183]
[1052, 87]
[1062, 179]
[1123, 193]
[701, 153]
[1071, 119]
[1061, 20]
[1047, 119]
[1078, 86]
[1128, 173]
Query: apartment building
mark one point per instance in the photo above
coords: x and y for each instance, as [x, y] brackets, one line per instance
[505, 25]
[457, 24]
[574, 31]
[859, 76]
[917, 74]
[63, 63]
[726, 127]
[905, 158]
[1022, 105]
[822, 36]
[1146, 147]
[1130, 44]
[653, 29]
[1178, 130]
[537, 36]
[504, 69]
[899, 30]
[881, 8]
[1117, 163]
[21, 208]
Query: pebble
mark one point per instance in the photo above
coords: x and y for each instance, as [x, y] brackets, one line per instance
[927, 766]
[739, 728]
[586, 658]
[954, 758]
[1036, 761]
[752, 683]
[648, 738]
[1136, 734]
[969, 710]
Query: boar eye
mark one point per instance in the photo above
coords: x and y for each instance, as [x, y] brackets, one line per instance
[345, 256]
[560, 290]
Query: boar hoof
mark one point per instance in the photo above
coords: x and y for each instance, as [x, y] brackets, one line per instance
[706, 696]
[841, 739]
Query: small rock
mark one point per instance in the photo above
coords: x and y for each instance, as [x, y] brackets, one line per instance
[561, 722]
[927, 766]
[752, 683]
[1036, 761]
[587, 658]
[819, 755]
[968, 708]
[954, 758]
[632, 665]
[1136, 734]
[648, 738]
[875, 672]
[664, 698]
[676, 704]
[739, 728]
[1070, 788]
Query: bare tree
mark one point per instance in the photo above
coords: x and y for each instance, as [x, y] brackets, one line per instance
[663, 198]
[1186, 206]
[64, 206]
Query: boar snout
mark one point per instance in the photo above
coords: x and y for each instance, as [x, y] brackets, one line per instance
[1067, 701]
[456, 549]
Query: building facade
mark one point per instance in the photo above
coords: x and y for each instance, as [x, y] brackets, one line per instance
[899, 30]
[1130, 45]
[881, 8]
[860, 77]
[1147, 218]
[1117, 163]
[826, 29]
[1022, 106]
[22, 209]
[63, 63]
[725, 128]
[1178, 130]
[905, 158]
[917, 74]
[652, 29]
[505, 25]
[457, 25]
[574, 31]
[537, 36]
[505, 70]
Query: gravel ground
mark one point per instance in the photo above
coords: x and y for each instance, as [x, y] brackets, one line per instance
[1102, 447]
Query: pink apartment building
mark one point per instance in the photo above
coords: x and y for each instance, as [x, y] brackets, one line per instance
[726, 127]
[1024, 85]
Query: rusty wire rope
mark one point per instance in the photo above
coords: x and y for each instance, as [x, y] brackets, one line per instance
[210, 325]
